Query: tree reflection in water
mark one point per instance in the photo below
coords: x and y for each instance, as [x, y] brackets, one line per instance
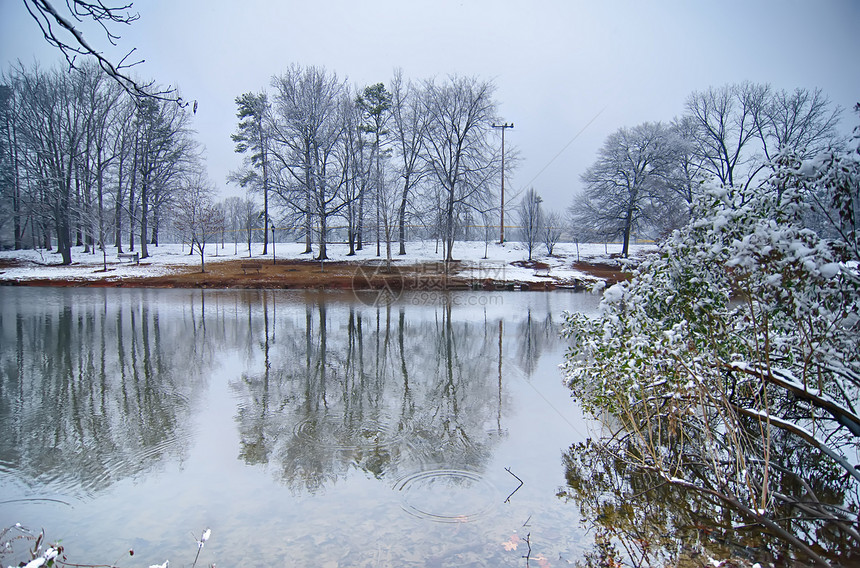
[371, 387]
[90, 386]
[640, 519]
[390, 417]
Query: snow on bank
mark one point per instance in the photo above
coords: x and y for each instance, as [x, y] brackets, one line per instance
[171, 258]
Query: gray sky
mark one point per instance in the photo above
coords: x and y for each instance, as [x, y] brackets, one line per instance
[568, 73]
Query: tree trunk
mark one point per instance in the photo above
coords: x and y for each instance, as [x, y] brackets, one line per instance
[131, 207]
[11, 140]
[265, 188]
[117, 212]
[144, 214]
[100, 190]
[323, 228]
[308, 201]
[360, 232]
[64, 230]
[628, 225]
[351, 242]
[449, 226]
[401, 217]
[154, 240]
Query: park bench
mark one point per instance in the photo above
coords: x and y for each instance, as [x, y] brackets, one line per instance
[246, 266]
[130, 256]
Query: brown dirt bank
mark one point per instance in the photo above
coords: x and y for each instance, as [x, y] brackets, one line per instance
[306, 274]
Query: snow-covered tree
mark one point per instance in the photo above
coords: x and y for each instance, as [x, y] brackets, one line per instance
[730, 365]
[831, 182]
[626, 185]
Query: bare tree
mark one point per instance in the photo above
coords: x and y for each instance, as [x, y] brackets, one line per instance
[100, 100]
[801, 122]
[307, 130]
[249, 214]
[552, 230]
[727, 120]
[197, 218]
[687, 174]
[163, 150]
[52, 127]
[410, 125]
[355, 159]
[389, 200]
[10, 162]
[124, 167]
[232, 213]
[460, 114]
[530, 213]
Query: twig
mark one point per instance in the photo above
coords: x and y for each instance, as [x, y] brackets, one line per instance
[529, 544]
[203, 538]
[61, 563]
[518, 486]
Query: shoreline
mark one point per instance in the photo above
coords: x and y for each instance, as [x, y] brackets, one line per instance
[307, 274]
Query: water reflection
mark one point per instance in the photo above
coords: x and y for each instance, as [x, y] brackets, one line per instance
[93, 388]
[97, 385]
[345, 386]
[639, 518]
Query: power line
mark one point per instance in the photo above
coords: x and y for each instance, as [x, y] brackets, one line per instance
[560, 152]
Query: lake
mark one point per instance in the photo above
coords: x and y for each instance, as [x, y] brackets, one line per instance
[304, 428]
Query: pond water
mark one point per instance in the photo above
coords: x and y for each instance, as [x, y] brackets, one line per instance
[303, 428]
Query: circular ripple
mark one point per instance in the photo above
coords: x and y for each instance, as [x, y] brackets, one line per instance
[333, 432]
[447, 495]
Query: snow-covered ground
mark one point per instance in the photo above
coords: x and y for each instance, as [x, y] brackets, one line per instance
[166, 259]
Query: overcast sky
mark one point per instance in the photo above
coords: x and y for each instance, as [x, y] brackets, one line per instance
[568, 73]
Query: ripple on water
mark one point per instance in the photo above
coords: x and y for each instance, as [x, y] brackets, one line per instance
[82, 471]
[128, 462]
[447, 495]
[336, 433]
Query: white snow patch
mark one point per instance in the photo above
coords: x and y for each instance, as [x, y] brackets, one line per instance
[830, 270]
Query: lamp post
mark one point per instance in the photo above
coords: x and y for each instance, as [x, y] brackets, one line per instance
[504, 127]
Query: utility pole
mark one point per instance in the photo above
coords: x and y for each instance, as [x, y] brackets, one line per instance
[504, 127]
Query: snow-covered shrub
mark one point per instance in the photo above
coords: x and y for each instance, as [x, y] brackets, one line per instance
[730, 364]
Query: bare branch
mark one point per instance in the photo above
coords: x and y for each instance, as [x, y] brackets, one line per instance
[52, 23]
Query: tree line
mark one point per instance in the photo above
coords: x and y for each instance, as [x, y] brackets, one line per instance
[646, 178]
[374, 159]
[85, 163]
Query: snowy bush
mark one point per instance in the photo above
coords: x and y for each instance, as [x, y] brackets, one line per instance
[730, 363]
